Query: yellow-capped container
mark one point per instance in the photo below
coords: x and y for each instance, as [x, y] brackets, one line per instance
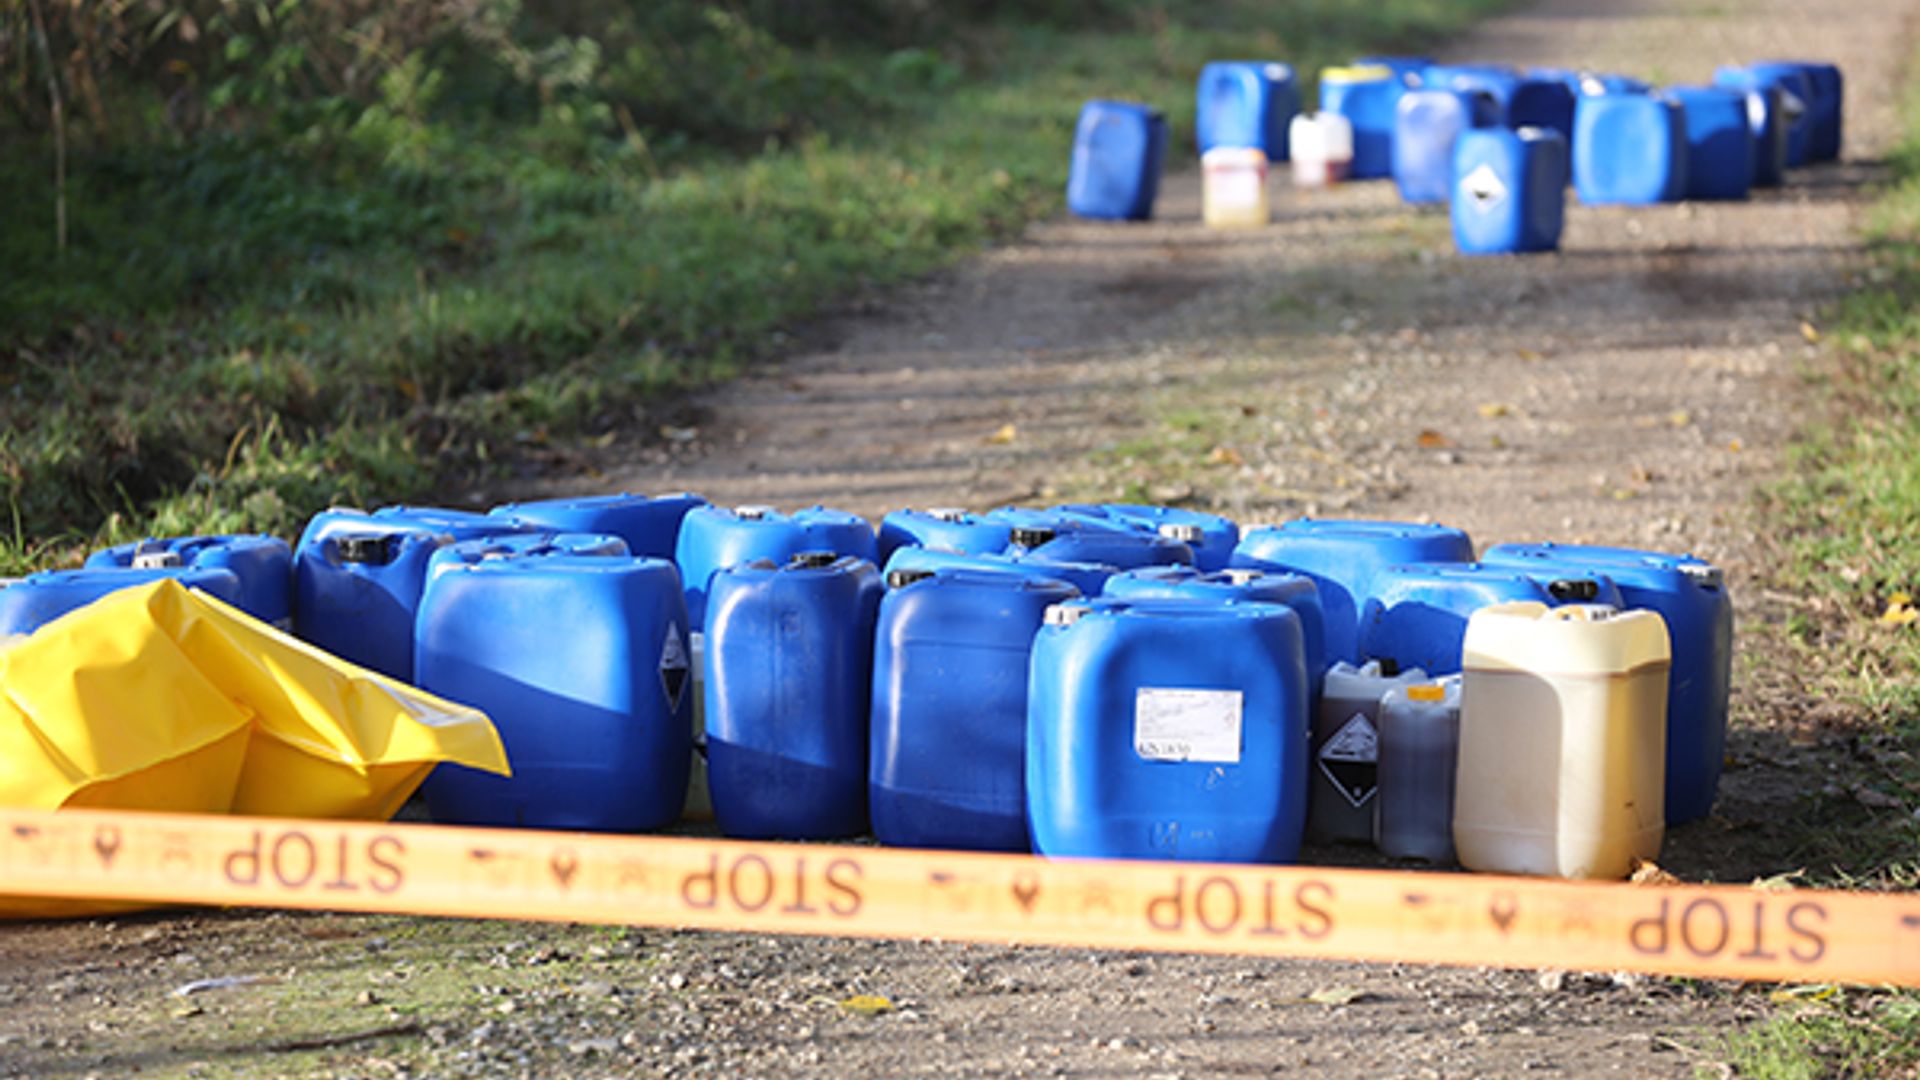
[1562, 767]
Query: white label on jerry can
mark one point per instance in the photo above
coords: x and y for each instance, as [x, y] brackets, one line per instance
[1351, 759]
[1483, 186]
[674, 668]
[1187, 725]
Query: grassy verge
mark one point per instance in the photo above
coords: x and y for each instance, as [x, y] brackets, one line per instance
[1849, 516]
[251, 324]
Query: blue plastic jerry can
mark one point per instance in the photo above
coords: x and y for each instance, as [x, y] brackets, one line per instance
[1211, 537]
[713, 538]
[1366, 97]
[521, 545]
[1509, 190]
[1546, 103]
[949, 741]
[789, 658]
[1168, 729]
[1118, 150]
[1341, 557]
[1826, 109]
[946, 528]
[1060, 535]
[650, 524]
[1691, 595]
[1799, 105]
[1629, 149]
[1246, 103]
[582, 663]
[1720, 143]
[357, 578]
[1767, 118]
[1497, 81]
[1415, 615]
[1296, 591]
[1087, 578]
[1426, 125]
[38, 599]
[264, 565]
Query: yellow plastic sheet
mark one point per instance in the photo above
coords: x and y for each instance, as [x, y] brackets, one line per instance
[158, 698]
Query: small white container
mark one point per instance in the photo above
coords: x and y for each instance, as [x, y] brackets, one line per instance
[1563, 720]
[1321, 146]
[1233, 191]
[1419, 751]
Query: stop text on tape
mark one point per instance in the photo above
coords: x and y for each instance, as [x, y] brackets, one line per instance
[1294, 911]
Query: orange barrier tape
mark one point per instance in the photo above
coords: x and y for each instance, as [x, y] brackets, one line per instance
[1711, 931]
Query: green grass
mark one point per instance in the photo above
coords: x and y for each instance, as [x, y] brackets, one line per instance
[253, 323]
[1848, 517]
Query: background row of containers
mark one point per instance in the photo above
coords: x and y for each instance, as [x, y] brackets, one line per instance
[828, 708]
[1399, 117]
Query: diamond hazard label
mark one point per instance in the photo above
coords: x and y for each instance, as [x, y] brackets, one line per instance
[674, 669]
[1483, 187]
[1350, 758]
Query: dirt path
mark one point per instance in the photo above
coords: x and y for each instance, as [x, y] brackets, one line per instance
[1632, 389]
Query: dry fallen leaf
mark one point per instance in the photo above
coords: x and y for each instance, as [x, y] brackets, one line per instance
[1005, 435]
[1494, 409]
[1337, 995]
[1814, 992]
[866, 1005]
[679, 434]
[1530, 355]
[1430, 439]
[1810, 332]
[1736, 445]
[1679, 418]
[1900, 611]
[1226, 455]
[1648, 872]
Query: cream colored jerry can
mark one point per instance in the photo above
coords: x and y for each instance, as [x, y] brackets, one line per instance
[1563, 724]
[1233, 189]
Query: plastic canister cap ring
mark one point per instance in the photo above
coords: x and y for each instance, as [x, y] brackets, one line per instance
[1574, 590]
[1184, 531]
[1704, 575]
[900, 579]
[1064, 614]
[1028, 536]
[813, 560]
[952, 515]
[368, 550]
[752, 513]
[1240, 575]
[145, 558]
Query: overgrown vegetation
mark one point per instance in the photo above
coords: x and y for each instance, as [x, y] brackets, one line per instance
[1849, 518]
[338, 250]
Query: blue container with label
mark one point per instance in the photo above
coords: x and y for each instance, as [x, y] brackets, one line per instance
[1766, 117]
[1367, 97]
[650, 524]
[948, 763]
[1168, 729]
[1720, 144]
[1628, 149]
[1118, 150]
[1416, 615]
[357, 578]
[1341, 557]
[1060, 535]
[1296, 591]
[1210, 537]
[1426, 125]
[1088, 578]
[1510, 190]
[38, 599]
[581, 663]
[789, 662]
[1494, 80]
[946, 528]
[1246, 103]
[713, 538]
[1691, 595]
[264, 565]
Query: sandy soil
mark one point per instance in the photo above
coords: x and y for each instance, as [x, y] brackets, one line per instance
[1634, 388]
